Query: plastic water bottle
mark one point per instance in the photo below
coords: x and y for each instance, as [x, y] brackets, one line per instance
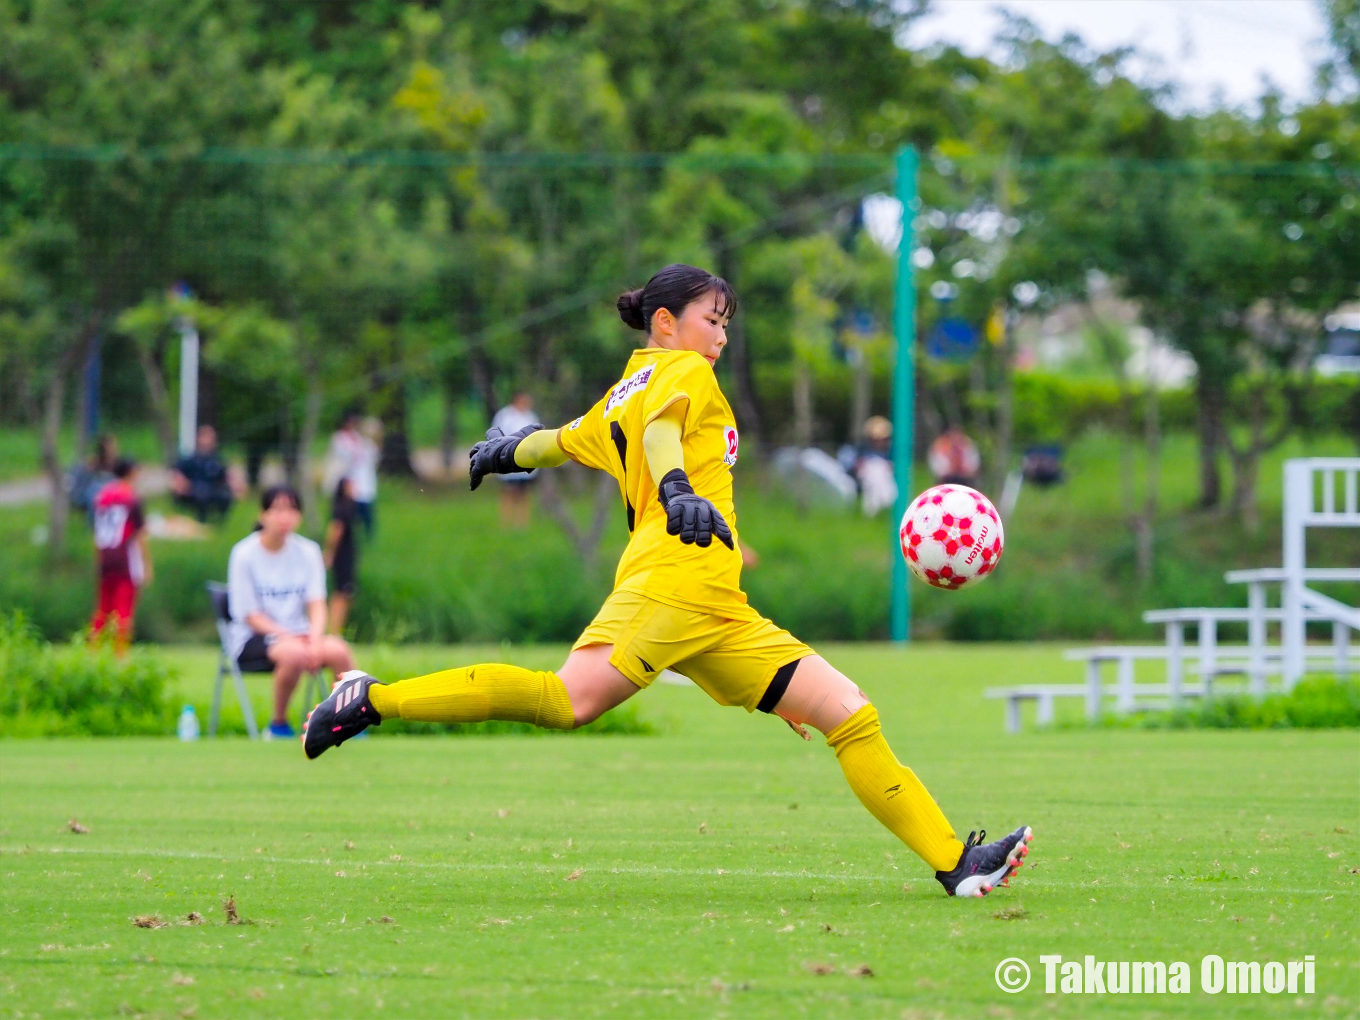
[188, 724]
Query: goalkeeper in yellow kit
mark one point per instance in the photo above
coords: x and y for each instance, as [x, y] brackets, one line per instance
[667, 434]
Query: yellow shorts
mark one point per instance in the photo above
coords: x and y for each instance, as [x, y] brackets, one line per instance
[738, 662]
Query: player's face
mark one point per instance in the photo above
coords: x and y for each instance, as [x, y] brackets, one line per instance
[702, 327]
[282, 518]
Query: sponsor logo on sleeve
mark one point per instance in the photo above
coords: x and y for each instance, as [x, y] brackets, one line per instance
[576, 424]
[730, 441]
[627, 387]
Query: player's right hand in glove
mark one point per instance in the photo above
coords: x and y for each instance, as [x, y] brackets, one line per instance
[692, 517]
[495, 455]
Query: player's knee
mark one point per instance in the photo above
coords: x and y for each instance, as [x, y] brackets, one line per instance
[585, 711]
[821, 696]
[589, 703]
[338, 655]
[288, 654]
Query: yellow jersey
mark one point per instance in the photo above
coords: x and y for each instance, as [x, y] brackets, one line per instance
[609, 437]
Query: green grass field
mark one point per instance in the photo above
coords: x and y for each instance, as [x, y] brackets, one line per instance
[710, 870]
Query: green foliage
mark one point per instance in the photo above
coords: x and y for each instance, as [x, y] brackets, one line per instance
[1315, 703]
[1050, 407]
[77, 688]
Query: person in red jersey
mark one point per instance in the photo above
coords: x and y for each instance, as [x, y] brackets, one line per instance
[120, 545]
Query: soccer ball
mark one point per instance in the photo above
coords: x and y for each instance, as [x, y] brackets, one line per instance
[951, 535]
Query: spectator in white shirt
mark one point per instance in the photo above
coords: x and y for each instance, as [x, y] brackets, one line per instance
[355, 456]
[276, 593]
[514, 501]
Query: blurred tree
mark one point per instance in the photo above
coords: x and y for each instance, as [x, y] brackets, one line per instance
[417, 194]
[45, 328]
[1011, 209]
[97, 233]
[1343, 24]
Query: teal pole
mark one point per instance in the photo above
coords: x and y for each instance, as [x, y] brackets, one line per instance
[904, 389]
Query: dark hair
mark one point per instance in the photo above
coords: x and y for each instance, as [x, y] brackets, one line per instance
[104, 448]
[276, 492]
[124, 466]
[674, 288]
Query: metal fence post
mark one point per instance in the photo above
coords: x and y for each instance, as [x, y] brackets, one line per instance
[188, 385]
[904, 391]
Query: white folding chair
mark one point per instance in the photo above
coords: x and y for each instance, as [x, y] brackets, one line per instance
[314, 691]
[226, 663]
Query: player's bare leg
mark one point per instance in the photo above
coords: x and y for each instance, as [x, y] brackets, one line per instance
[291, 657]
[821, 696]
[593, 684]
[337, 612]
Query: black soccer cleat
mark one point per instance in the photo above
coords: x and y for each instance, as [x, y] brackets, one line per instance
[984, 866]
[345, 713]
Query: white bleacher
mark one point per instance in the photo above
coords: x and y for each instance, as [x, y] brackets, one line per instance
[1318, 492]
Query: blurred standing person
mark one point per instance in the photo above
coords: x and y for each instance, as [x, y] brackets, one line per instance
[514, 501]
[201, 482]
[276, 591]
[123, 555]
[365, 476]
[954, 458]
[341, 554]
[354, 455]
[874, 468]
[87, 479]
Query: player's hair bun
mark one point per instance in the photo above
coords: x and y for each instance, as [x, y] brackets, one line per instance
[673, 288]
[630, 309]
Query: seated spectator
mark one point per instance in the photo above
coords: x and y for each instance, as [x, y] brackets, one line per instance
[1042, 465]
[276, 592]
[953, 458]
[200, 482]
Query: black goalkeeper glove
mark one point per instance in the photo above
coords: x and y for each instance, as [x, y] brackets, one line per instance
[692, 517]
[495, 455]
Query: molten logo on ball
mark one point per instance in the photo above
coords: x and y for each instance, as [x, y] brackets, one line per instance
[951, 535]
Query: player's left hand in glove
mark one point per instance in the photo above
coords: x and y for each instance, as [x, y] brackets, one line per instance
[692, 517]
[495, 455]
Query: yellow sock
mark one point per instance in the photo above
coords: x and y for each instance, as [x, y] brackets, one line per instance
[891, 791]
[476, 694]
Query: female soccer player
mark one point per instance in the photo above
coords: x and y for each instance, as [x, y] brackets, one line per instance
[666, 433]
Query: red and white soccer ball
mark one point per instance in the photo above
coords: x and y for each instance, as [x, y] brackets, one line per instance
[951, 535]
